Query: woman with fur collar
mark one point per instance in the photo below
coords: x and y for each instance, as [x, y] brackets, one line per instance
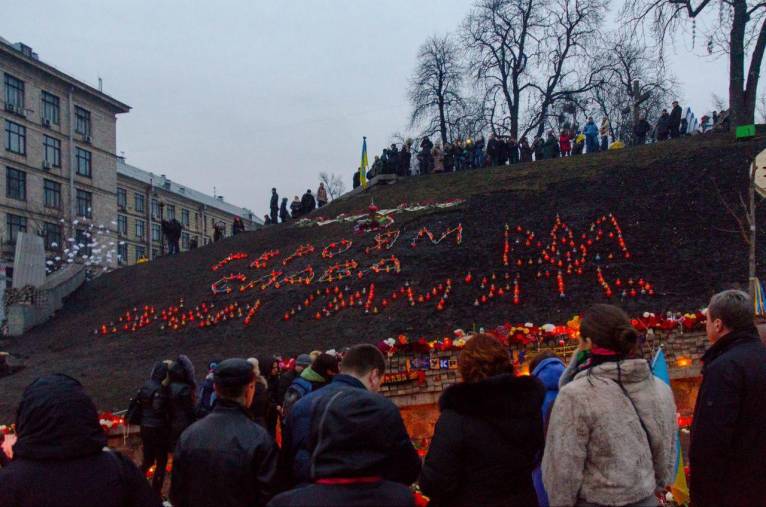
[488, 435]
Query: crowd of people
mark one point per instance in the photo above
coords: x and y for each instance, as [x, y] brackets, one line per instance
[598, 431]
[500, 150]
[279, 213]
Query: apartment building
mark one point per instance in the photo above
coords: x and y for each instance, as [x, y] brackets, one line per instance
[144, 199]
[58, 161]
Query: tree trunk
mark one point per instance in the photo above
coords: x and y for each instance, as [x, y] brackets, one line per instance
[737, 105]
[442, 122]
[751, 88]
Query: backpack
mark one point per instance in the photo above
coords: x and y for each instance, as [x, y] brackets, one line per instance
[133, 415]
[297, 390]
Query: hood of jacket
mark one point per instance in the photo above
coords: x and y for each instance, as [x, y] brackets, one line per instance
[56, 420]
[349, 431]
[502, 400]
[309, 374]
[628, 371]
[549, 372]
[159, 372]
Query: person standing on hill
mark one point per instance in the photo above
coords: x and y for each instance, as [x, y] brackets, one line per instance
[308, 204]
[60, 457]
[565, 143]
[663, 126]
[226, 458]
[295, 207]
[274, 206]
[155, 430]
[591, 135]
[172, 230]
[525, 152]
[321, 195]
[675, 120]
[728, 435]
[489, 434]
[611, 438]
[603, 131]
[640, 131]
[493, 150]
[537, 148]
[284, 216]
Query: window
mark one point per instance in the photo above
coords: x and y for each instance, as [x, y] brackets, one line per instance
[156, 232]
[14, 92]
[16, 224]
[81, 121]
[15, 138]
[51, 109]
[122, 198]
[52, 194]
[52, 149]
[84, 204]
[156, 209]
[82, 158]
[196, 220]
[138, 202]
[122, 253]
[170, 211]
[140, 252]
[52, 236]
[185, 240]
[15, 184]
[140, 229]
[82, 237]
[122, 225]
[185, 217]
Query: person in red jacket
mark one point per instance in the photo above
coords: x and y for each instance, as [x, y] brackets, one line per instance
[565, 143]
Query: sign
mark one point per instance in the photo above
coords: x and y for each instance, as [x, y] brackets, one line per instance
[760, 173]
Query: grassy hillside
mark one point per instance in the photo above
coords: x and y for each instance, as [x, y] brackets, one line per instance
[666, 204]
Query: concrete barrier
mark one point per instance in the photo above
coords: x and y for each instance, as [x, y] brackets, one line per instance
[48, 299]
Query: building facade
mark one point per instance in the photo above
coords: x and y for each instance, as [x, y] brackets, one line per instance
[58, 161]
[144, 199]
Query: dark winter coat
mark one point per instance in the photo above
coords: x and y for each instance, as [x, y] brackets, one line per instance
[308, 204]
[663, 126]
[60, 458]
[284, 382]
[395, 458]
[180, 402]
[525, 152]
[550, 148]
[153, 397]
[405, 157]
[537, 147]
[295, 208]
[259, 408]
[355, 434]
[728, 437]
[675, 117]
[224, 459]
[486, 443]
[493, 150]
[274, 204]
[641, 129]
[284, 216]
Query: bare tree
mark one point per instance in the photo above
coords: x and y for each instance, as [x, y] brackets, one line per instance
[435, 87]
[503, 37]
[634, 79]
[745, 22]
[333, 184]
[571, 27]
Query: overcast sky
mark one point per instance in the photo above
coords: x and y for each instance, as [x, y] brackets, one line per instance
[244, 95]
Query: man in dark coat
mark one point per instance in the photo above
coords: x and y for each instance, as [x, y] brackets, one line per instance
[405, 156]
[274, 206]
[425, 156]
[675, 120]
[181, 410]
[225, 458]
[640, 131]
[361, 374]
[728, 437]
[295, 207]
[308, 204]
[360, 451]
[155, 428]
[60, 457]
[355, 181]
[301, 362]
[493, 150]
[172, 230]
[663, 126]
[284, 216]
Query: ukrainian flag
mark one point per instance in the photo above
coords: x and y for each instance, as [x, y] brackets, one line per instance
[679, 488]
[758, 300]
[363, 165]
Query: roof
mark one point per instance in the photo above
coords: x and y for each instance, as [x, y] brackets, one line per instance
[11, 49]
[162, 182]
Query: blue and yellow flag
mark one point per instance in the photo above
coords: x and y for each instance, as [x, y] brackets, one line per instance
[679, 488]
[758, 300]
[363, 165]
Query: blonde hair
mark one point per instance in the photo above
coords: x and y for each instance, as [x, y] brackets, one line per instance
[257, 371]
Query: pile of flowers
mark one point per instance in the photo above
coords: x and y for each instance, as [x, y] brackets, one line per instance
[110, 422]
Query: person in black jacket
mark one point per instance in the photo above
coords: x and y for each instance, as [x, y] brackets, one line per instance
[489, 434]
[274, 206]
[295, 207]
[308, 203]
[155, 427]
[728, 436]
[172, 230]
[60, 457]
[269, 367]
[285, 379]
[359, 450]
[640, 131]
[181, 398]
[675, 120]
[663, 126]
[225, 458]
[284, 216]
